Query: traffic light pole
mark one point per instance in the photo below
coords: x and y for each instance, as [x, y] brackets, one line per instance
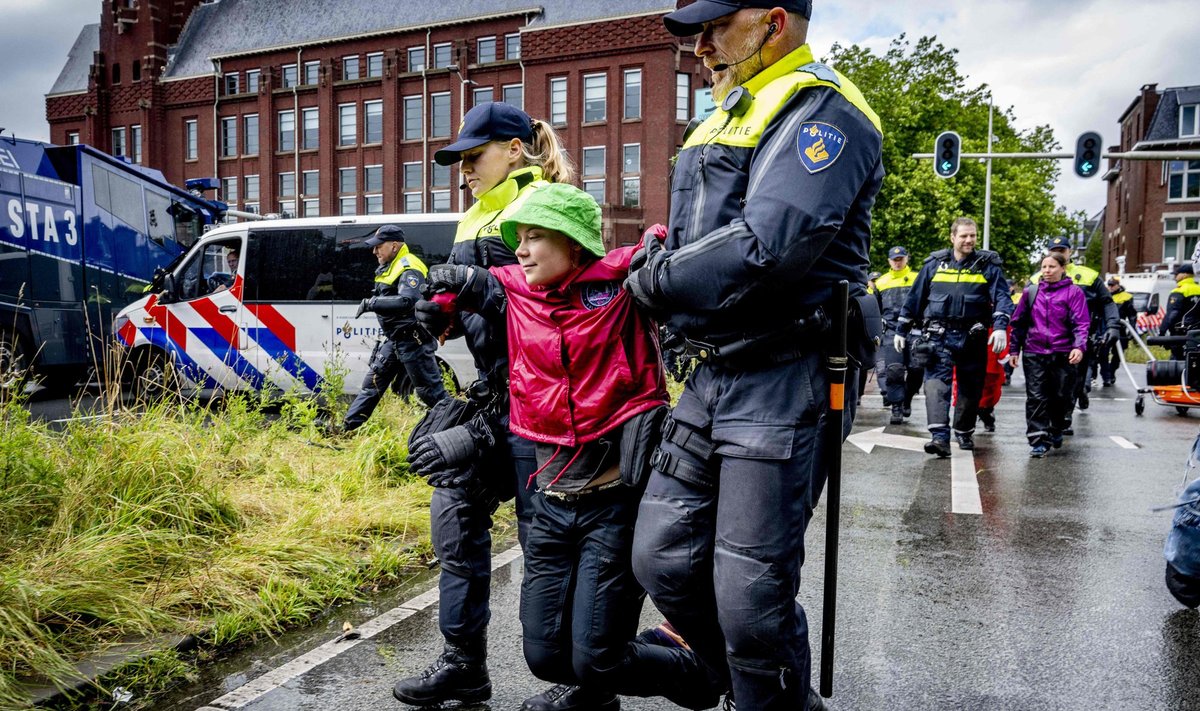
[987, 191]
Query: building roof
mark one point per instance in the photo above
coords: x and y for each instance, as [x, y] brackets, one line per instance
[233, 27]
[1165, 124]
[74, 74]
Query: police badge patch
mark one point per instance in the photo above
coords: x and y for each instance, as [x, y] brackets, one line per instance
[596, 296]
[412, 281]
[819, 145]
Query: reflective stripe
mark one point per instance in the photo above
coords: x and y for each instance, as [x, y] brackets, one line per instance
[483, 218]
[959, 277]
[402, 262]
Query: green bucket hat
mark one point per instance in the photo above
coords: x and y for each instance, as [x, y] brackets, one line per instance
[561, 207]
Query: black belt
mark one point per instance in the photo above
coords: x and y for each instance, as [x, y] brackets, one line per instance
[762, 350]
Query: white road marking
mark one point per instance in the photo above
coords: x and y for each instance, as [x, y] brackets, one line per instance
[1123, 443]
[255, 689]
[870, 439]
[964, 486]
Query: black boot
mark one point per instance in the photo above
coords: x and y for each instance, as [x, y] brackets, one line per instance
[938, 446]
[458, 674]
[897, 415]
[988, 418]
[572, 698]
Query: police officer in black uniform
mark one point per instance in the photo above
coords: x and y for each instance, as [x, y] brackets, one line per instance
[898, 379]
[408, 347]
[770, 207]
[957, 294]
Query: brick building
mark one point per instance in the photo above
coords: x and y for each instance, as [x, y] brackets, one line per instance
[1152, 216]
[328, 107]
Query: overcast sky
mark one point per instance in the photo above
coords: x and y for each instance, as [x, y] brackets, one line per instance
[1073, 64]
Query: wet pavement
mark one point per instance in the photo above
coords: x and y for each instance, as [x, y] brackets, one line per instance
[1051, 598]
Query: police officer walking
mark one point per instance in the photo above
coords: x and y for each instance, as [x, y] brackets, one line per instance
[1110, 358]
[408, 347]
[1183, 307]
[770, 208]
[1105, 325]
[898, 380]
[958, 293]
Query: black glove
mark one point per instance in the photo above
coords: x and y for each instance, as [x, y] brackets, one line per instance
[432, 317]
[651, 244]
[446, 278]
[433, 454]
[363, 307]
[1110, 336]
[642, 282]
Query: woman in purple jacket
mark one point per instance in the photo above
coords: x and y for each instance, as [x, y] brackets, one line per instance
[1051, 326]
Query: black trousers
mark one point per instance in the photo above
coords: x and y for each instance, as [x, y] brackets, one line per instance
[390, 361]
[1049, 382]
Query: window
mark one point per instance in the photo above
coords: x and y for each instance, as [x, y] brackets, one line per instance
[251, 184]
[631, 192]
[514, 94]
[1180, 235]
[350, 69]
[481, 96]
[231, 83]
[348, 206]
[440, 176]
[512, 46]
[229, 144]
[412, 187]
[439, 118]
[416, 59]
[287, 130]
[441, 55]
[374, 204]
[72, 138]
[375, 64]
[631, 158]
[593, 172]
[287, 262]
[312, 72]
[310, 136]
[135, 143]
[119, 147]
[137, 70]
[373, 178]
[1183, 180]
[558, 101]
[485, 50]
[252, 78]
[207, 270]
[312, 183]
[440, 200]
[683, 96]
[594, 99]
[372, 122]
[347, 180]
[229, 190]
[631, 167]
[250, 139]
[287, 208]
[190, 134]
[413, 117]
[1189, 122]
[347, 124]
[116, 74]
[633, 94]
[287, 185]
[288, 75]
[312, 207]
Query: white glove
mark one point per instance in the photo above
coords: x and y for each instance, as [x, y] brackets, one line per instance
[998, 340]
[898, 342]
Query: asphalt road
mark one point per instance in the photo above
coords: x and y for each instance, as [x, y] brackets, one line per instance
[1049, 596]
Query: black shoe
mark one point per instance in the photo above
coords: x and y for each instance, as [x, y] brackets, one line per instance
[1008, 380]
[1109, 383]
[571, 698]
[897, 415]
[965, 442]
[456, 675]
[1039, 450]
[989, 421]
[940, 447]
[1083, 401]
[816, 703]
[1069, 431]
[907, 409]
[1056, 441]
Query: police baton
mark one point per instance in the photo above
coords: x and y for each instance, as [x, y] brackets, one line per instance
[835, 369]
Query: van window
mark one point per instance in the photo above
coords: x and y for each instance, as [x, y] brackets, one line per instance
[355, 265]
[209, 270]
[289, 264]
[120, 196]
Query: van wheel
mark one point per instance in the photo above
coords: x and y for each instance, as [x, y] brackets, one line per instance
[152, 376]
[14, 366]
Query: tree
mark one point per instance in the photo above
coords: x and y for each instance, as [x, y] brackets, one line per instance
[918, 92]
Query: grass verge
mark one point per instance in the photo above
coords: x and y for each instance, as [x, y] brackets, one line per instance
[181, 519]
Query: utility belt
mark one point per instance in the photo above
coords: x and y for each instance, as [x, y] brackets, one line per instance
[939, 327]
[760, 351]
[415, 332]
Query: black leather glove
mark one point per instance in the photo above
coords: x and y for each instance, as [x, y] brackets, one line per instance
[433, 454]
[642, 282]
[432, 317]
[651, 244]
[457, 478]
[447, 278]
[363, 307]
[1111, 335]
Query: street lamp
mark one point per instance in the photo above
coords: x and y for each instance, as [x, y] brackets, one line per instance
[462, 112]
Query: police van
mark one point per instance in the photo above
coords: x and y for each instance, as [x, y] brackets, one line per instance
[1150, 291]
[271, 306]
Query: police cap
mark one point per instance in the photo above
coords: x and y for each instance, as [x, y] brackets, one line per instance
[489, 121]
[387, 233]
[873, 276]
[896, 252]
[1184, 268]
[1113, 281]
[689, 18]
[1060, 242]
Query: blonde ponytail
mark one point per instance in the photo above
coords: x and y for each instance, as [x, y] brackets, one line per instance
[546, 152]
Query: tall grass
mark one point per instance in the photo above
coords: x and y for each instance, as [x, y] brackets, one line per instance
[221, 523]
